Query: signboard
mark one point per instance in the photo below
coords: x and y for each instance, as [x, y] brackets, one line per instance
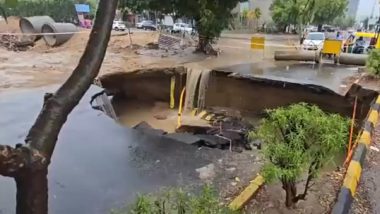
[332, 46]
[258, 42]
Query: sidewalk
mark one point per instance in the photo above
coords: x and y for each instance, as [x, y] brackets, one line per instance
[368, 195]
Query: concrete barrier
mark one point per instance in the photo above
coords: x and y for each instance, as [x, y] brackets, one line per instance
[33, 25]
[297, 55]
[353, 59]
[64, 32]
[353, 174]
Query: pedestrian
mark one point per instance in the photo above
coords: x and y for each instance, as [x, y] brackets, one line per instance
[339, 36]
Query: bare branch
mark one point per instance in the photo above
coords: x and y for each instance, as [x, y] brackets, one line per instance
[14, 160]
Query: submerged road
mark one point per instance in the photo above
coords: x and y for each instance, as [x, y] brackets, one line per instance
[97, 165]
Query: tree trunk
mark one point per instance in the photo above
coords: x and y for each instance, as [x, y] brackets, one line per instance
[285, 28]
[291, 193]
[32, 192]
[204, 46]
[28, 163]
[320, 28]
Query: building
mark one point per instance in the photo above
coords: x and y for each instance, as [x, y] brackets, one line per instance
[352, 7]
[365, 12]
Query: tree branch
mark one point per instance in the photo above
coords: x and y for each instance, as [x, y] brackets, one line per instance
[44, 132]
[311, 174]
[15, 160]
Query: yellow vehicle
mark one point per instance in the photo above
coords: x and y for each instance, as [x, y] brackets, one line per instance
[366, 40]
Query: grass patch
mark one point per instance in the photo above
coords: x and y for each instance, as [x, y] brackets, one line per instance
[177, 202]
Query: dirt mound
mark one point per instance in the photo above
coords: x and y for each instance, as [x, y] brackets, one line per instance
[12, 26]
[117, 44]
[120, 43]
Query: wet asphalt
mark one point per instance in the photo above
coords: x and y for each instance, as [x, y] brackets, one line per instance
[97, 164]
[327, 75]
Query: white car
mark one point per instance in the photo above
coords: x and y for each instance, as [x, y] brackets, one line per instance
[314, 41]
[118, 25]
[182, 27]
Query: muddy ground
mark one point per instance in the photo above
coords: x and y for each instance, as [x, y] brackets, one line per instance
[42, 65]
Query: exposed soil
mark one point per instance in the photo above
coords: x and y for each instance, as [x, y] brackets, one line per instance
[42, 65]
[11, 27]
[320, 199]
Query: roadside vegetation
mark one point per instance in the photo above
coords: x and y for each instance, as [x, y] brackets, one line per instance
[210, 16]
[59, 10]
[299, 139]
[373, 63]
[299, 13]
[177, 202]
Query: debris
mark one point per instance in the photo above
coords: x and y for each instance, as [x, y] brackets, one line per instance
[257, 144]
[207, 172]
[184, 138]
[146, 128]
[237, 179]
[234, 183]
[160, 117]
[231, 169]
[15, 43]
[152, 45]
[374, 148]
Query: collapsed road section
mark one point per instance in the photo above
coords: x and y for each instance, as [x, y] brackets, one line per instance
[216, 108]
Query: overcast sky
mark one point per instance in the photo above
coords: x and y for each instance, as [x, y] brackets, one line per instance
[366, 7]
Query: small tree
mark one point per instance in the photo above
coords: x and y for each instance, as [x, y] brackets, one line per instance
[293, 12]
[373, 62]
[210, 16]
[298, 139]
[327, 11]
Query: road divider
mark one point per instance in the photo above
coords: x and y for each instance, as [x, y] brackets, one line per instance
[355, 167]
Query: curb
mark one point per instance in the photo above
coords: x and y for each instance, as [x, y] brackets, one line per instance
[353, 174]
[247, 193]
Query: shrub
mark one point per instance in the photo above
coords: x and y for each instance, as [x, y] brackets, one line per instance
[177, 202]
[299, 139]
[373, 62]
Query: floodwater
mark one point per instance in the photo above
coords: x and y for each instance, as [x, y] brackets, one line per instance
[327, 75]
[97, 164]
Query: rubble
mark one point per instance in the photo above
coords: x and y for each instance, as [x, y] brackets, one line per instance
[15, 43]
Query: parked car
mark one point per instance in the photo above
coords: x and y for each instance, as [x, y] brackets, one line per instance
[182, 27]
[118, 25]
[311, 29]
[146, 25]
[314, 41]
[328, 28]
